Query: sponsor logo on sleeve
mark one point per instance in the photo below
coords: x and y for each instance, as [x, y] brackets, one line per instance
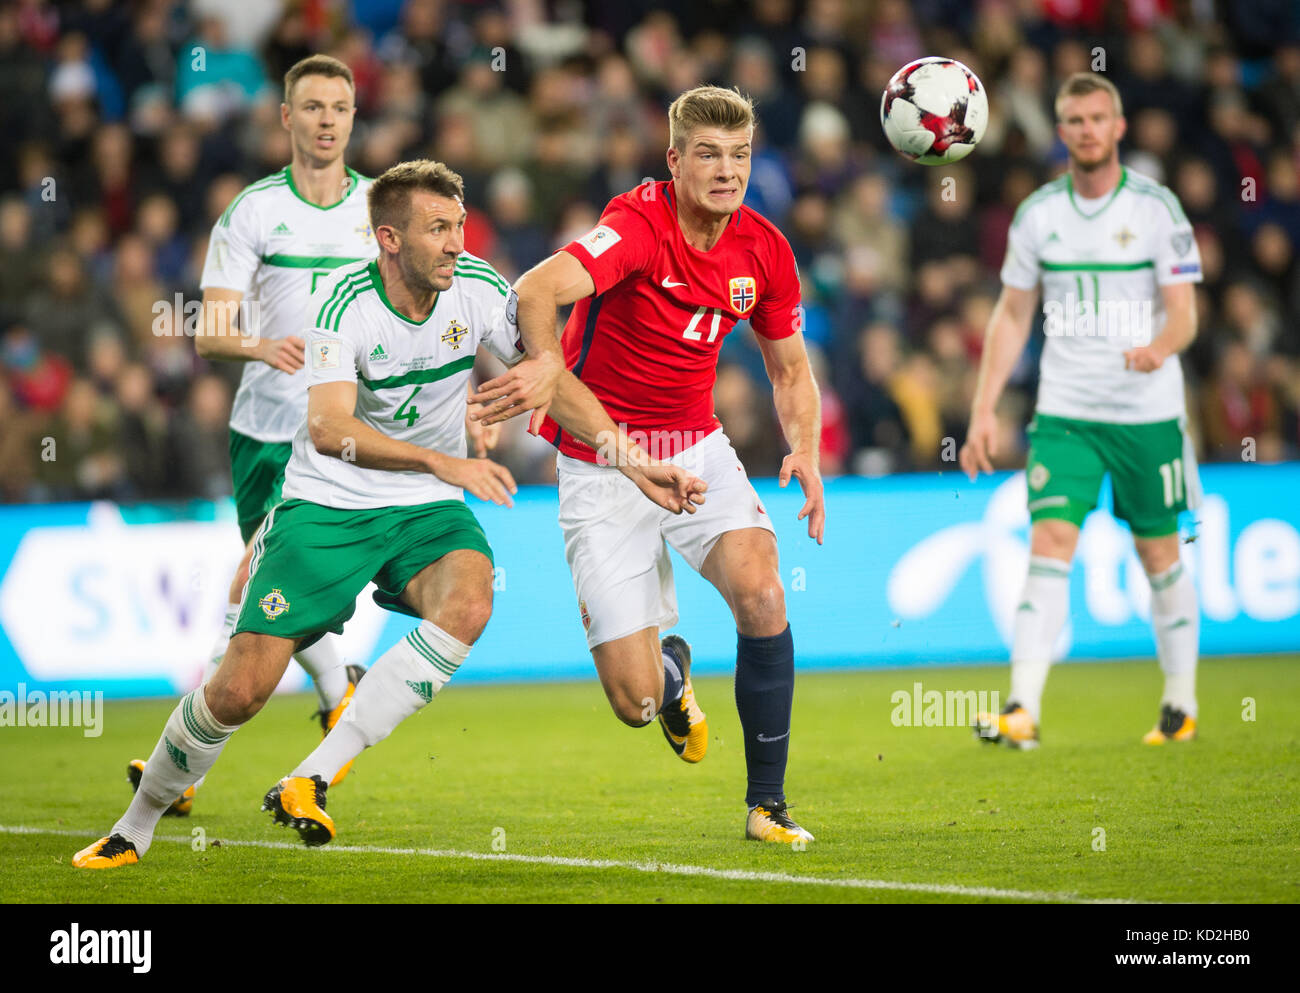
[599, 240]
[325, 355]
[1184, 269]
[1181, 242]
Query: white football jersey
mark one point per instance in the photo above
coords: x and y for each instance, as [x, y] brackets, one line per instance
[276, 248]
[1101, 264]
[411, 378]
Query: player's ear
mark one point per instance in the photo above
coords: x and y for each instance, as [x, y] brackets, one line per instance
[674, 161]
[284, 116]
[388, 238]
[1122, 128]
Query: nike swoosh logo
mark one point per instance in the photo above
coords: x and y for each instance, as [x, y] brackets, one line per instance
[667, 284]
[777, 738]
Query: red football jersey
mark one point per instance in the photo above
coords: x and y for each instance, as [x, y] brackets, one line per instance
[647, 342]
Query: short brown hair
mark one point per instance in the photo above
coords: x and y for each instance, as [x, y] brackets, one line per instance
[389, 198]
[708, 107]
[316, 65]
[1080, 84]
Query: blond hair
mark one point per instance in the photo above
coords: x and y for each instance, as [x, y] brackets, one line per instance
[316, 65]
[708, 107]
[1080, 84]
[389, 197]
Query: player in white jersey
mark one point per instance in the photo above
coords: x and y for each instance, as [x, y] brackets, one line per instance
[267, 253]
[1116, 260]
[374, 492]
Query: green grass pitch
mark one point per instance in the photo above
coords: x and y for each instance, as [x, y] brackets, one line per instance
[547, 771]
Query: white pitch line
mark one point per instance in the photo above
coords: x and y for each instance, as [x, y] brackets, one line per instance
[669, 868]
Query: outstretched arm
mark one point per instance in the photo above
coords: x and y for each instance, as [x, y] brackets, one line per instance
[798, 407]
[1004, 340]
[576, 409]
[541, 291]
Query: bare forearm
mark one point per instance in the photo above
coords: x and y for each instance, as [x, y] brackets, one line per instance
[1003, 344]
[344, 437]
[1179, 332]
[576, 409]
[218, 337]
[799, 409]
[228, 346]
[536, 315]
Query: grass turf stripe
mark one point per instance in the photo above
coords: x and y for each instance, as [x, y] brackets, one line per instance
[666, 868]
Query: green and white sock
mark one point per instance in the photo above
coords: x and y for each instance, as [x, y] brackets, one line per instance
[1176, 620]
[1040, 615]
[406, 677]
[190, 743]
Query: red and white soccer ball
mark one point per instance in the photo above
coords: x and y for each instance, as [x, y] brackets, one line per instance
[934, 111]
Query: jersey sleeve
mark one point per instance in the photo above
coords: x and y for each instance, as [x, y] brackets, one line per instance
[777, 313]
[1176, 255]
[1020, 267]
[331, 341]
[501, 334]
[621, 245]
[234, 252]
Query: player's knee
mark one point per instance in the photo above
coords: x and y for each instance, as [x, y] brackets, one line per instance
[1156, 554]
[1054, 539]
[470, 616]
[235, 702]
[760, 605]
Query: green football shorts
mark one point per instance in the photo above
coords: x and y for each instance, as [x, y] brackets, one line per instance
[310, 562]
[1152, 472]
[257, 470]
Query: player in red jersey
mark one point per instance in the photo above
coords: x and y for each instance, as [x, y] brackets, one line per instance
[659, 282]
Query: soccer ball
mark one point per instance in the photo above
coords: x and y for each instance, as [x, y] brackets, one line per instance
[934, 111]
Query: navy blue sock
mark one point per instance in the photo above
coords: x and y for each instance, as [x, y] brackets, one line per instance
[764, 695]
[674, 681]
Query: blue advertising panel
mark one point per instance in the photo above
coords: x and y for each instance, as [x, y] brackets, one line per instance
[915, 569]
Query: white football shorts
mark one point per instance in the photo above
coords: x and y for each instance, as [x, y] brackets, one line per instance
[616, 541]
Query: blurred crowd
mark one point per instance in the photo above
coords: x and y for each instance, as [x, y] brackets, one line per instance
[129, 126]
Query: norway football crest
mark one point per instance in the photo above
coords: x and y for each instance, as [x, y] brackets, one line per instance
[743, 294]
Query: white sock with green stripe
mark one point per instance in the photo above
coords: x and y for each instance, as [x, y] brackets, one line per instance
[1040, 615]
[1176, 619]
[406, 677]
[188, 748]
